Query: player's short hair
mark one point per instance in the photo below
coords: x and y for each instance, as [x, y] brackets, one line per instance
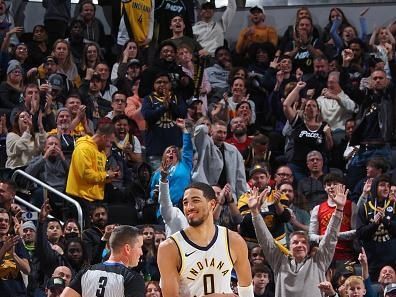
[206, 189]
[122, 235]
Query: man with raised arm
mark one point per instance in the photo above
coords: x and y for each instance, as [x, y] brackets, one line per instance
[299, 273]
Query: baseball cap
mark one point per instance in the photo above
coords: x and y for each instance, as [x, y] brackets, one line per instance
[56, 81]
[134, 62]
[29, 225]
[390, 288]
[257, 7]
[50, 59]
[208, 5]
[13, 65]
[192, 101]
[260, 167]
[55, 282]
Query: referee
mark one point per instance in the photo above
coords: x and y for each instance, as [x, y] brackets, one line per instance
[113, 278]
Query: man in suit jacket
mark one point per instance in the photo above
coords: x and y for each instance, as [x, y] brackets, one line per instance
[218, 162]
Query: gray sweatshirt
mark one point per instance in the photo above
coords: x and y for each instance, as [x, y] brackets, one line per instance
[52, 173]
[298, 279]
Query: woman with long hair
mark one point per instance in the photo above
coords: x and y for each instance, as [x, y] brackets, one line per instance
[309, 132]
[239, 94]
[291, 31]
[92, 56]
[153, 289]
[177, 164]
[129, 51]
[336, 16]
[61, 51]
[23, 143]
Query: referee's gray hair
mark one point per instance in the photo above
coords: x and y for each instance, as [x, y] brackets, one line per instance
[121, 235]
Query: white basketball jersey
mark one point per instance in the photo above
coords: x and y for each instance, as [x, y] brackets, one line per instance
[204, 270]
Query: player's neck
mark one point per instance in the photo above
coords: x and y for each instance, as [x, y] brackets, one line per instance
[201, 235]
[116, 259]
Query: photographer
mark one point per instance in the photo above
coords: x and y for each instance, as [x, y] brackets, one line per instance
[51, 168]
[90, 92]
[374, 124]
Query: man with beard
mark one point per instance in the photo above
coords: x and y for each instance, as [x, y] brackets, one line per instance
[258, 32]
[182, 84]
[199, 259]
[160, 110]
[239, 136]
[96, 236]
[219, 72]
[87, 172]
[64, 131]
[93, 29]
[125, 144]
[374, 124]
[318, 80]
[51, 168]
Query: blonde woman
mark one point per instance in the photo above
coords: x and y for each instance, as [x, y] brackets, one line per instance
[61, 51]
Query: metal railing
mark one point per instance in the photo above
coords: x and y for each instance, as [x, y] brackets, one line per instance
[31, 206]
[47, 188]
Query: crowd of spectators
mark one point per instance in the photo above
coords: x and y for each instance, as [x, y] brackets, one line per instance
[124, 123]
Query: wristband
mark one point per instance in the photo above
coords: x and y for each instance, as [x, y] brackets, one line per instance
[340, 210]
[246, 291]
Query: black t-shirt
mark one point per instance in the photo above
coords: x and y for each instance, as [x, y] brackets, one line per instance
[369, 126]
[108, 279]
[306, 140]
[304, 59]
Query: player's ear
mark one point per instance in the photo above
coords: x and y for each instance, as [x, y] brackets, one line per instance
[212, 203]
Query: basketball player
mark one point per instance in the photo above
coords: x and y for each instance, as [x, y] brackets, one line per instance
[113, 278]
[198, 260]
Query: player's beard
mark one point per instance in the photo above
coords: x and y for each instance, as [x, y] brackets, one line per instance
[195, 222]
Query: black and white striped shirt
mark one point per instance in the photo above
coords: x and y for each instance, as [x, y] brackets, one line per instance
[108, 279]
